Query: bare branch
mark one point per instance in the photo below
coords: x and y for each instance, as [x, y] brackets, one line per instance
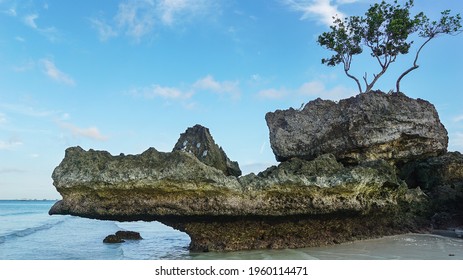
[355, 79]
[415, 65]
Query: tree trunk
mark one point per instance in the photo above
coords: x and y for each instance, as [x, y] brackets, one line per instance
[355, 79]
[397, 84]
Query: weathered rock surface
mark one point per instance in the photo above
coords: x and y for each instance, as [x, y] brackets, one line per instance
[338, 179]
[112, 238]
[128, 235]
[297, 204]
[441, 178]
[122, 235]
[369, 126]
[198, 141]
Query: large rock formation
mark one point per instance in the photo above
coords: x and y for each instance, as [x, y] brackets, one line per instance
[198, 141]
[298, 204]
[338, 180]
[369, 126]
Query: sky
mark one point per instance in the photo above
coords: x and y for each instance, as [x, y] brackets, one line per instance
[124, 76]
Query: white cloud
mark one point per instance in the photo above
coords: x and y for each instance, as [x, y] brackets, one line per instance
[139, 18]
[272, 93]
[169, 8]
[11, 12]
[11, 170]
[10, 144]
[208, 83]
[256, 78]
[318, 89]
[105, 31]
[163, 92]
[29, 20]
[54, 73]
[172, 11]
[340, 2]
[26, 66]
[26, 110]
[321, 10]
[458, 118]
[456, 142]
[2, 118]
[184, 94]
[65, 116]
[50, 32]
[90, 132]
[310, 89]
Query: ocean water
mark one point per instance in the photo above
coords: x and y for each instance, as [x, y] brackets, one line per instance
[27, 232]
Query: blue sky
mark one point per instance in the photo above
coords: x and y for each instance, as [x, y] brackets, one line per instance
[124, 76]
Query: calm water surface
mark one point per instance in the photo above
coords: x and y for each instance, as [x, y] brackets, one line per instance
[28, 232]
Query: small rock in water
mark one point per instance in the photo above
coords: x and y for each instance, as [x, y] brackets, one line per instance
[128, 235]
[451, 255]
[112, 238]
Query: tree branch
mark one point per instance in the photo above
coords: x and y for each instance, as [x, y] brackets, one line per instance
[365, 78]
[353, 78]
[415, 65]
[376, 77]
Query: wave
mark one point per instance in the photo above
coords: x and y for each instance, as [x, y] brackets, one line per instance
[28, 231]
[19, 213]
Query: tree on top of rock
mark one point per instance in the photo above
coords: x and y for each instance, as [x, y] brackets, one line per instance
[384, 30]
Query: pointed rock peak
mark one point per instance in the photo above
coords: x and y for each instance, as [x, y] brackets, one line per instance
[198, 141]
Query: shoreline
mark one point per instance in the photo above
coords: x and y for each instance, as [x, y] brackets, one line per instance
[445, 233]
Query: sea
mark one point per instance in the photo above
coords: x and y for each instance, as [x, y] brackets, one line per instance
[27, 232]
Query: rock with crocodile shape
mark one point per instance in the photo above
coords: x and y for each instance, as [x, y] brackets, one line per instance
[296, 204]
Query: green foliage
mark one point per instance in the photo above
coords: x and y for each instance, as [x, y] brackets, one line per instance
[446, 25]
[344, 39]
[385, 30]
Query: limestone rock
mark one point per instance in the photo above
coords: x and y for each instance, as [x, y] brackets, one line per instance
[112, 238]
[368, 126]
[122, 235]
[198, 141]
[128, 235]
[97, 184]
[298, 198]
